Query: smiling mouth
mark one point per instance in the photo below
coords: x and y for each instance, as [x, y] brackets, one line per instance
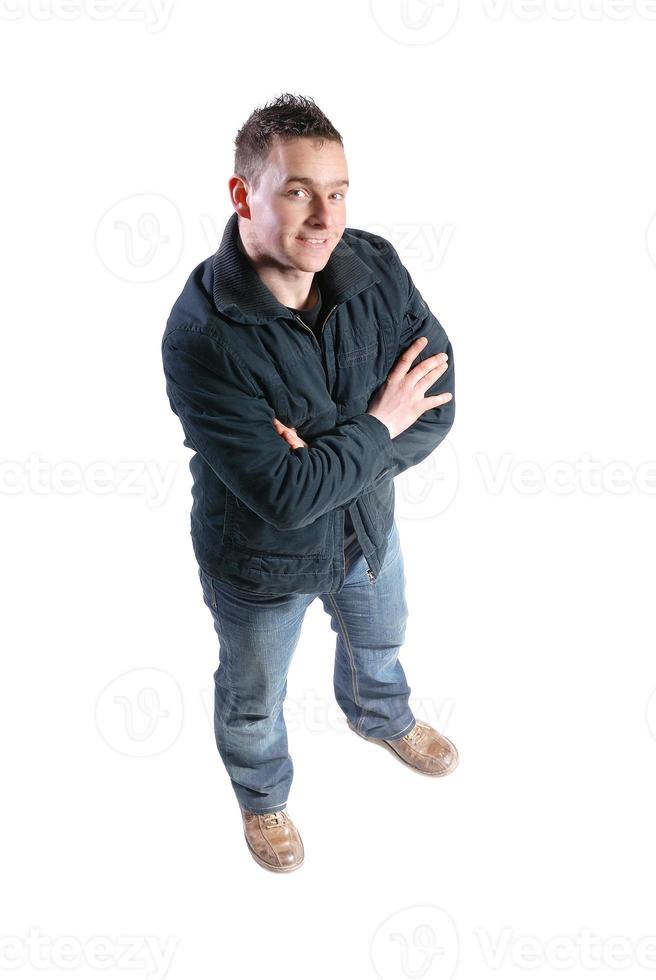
[313, 242]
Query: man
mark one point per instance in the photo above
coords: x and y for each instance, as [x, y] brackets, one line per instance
[289, 359]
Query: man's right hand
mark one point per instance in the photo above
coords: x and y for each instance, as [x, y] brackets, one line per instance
[400, 401]
[289, 434]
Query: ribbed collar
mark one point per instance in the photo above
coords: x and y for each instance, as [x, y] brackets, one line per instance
[239, 292]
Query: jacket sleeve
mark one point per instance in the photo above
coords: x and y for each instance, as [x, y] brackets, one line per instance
[230, 424]
[425, 434]
[419, 440]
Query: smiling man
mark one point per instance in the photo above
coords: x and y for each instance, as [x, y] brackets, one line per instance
[307, 372]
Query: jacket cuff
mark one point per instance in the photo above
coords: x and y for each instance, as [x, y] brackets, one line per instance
[380, 437]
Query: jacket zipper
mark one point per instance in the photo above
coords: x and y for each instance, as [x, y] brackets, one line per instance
[305, 326]
[372, 577]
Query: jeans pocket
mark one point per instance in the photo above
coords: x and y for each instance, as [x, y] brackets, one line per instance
[250, 596]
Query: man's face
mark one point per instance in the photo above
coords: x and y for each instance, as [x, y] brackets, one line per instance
[286, 211]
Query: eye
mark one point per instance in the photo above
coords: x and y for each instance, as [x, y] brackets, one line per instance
[300, 190]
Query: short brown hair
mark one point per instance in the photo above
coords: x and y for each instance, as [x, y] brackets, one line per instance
[286, 118]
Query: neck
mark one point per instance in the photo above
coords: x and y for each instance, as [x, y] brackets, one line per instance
[311, 299]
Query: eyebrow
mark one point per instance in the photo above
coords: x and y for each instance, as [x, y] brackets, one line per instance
[308, 180]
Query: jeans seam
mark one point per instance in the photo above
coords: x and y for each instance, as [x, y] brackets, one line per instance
[231, 696]
[404, 731]
[268, 809]
[349, 651]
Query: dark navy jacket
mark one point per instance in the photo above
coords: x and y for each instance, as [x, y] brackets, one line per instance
[266, 518]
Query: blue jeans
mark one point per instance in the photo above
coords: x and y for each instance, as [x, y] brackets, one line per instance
[257, 637]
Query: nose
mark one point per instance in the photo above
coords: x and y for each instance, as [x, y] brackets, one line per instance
[320, 213]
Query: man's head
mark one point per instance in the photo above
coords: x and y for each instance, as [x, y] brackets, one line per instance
[290, 184]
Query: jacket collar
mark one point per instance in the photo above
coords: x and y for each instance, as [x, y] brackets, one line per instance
[239, 292]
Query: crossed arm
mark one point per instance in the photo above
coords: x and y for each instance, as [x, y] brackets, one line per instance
[418, 440]
[227, 421]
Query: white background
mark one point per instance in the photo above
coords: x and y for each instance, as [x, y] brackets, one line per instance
[508, 151]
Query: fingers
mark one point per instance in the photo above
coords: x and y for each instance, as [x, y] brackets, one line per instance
[404, 362]
[420, 375]
[288, 433]
[434, 401]
[281, 428]
[437, 400]
[293, 440]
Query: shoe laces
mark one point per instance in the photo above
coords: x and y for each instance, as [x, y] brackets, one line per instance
[273, 819]
[415, 735]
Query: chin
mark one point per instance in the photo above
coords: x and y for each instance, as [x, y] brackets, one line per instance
[310, 263]
[316, 266]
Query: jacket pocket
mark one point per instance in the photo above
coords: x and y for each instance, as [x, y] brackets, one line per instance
[356, 356]
[247, 532]
[363, 363]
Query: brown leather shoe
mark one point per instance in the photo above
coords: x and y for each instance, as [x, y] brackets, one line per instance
[273, 840]
[423, 749]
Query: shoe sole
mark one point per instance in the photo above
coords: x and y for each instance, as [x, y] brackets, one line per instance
[271, 867]
[422, 772]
